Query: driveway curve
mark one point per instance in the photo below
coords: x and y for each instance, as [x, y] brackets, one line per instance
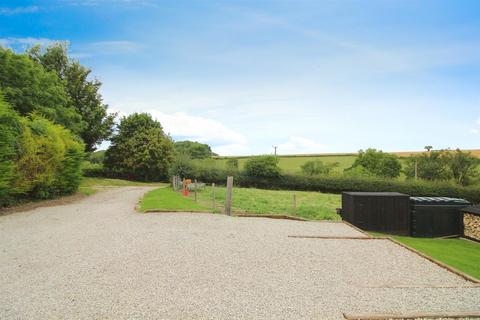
[99, 259]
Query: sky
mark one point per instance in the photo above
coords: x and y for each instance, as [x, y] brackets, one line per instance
[308, 76]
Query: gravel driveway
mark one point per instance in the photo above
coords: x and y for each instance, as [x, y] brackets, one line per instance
[99, 259]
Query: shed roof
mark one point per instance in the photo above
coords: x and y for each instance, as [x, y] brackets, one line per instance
[377, 194]
[439, 200]
[472, 209]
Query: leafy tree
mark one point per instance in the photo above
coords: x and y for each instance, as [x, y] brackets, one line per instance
[317, 167]
[462, 165]
[431, 166]
[28, 88]
[195, 150]
[82, 91]
[378, 163]
[140, 150]
[262, 167]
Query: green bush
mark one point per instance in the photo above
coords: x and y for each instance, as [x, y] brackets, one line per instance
[49, 160]
[378, 163]
[10, 131]
[262, 167]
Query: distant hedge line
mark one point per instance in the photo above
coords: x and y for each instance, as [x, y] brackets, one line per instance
[330, 184]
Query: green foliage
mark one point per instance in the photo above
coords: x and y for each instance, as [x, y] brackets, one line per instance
[432, 166]
[140, 150]
[97, 157]
[262, 167]
[195, 150]
[28, 88]
[49, 160]
[183, 166]
[462, 166]
[82, 91]
[232, 164]
[10, 131]
[378, 163]
[317, 167]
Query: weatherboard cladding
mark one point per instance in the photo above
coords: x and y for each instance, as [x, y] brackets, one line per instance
[437, 216]
[377, 211]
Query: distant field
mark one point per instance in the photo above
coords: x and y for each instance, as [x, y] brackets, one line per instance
[293, 163]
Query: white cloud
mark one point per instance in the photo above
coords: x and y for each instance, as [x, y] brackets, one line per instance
[298, 145]
[474, 131]
[18, 10]
[182, 126]
[25, 42]
[478, 121]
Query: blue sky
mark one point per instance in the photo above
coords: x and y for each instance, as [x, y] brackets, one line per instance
[308, 76]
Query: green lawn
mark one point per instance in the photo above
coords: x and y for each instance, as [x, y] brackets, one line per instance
[463, 255]
[89, 186]
[165, 199]
[310, 205]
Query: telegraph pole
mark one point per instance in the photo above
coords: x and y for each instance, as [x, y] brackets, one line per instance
[275, 148]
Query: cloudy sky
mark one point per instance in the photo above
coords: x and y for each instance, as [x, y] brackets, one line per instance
[309, 76]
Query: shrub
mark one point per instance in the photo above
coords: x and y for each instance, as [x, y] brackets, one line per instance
[49, 160]
[317, 167]
[10, 131]
[378, 163]
[183, 166]
[262, 167]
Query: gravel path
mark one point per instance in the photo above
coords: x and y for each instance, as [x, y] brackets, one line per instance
[99, 259]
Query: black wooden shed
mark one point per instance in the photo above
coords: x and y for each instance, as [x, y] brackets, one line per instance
[437, 216]
[387, 212]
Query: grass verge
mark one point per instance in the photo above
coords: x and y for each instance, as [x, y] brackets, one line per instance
[310, 205]
[89, 186]
[165, 199]
[463, 255]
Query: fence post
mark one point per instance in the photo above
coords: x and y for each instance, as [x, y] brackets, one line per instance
[294, 203]
[213, 196]
[196, 189]
[228, 198]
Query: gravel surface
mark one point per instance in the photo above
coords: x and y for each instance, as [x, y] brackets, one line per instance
[99, 259]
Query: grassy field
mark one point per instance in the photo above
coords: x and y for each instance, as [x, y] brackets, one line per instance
[165, 199]
[310, 205]
[292, 163]
[463, 255]
[89, 186]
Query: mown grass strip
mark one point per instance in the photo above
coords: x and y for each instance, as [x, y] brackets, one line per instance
[165, 199]
[460, 254]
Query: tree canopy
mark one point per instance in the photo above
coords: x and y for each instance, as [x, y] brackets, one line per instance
[194, 149]
[378, 163]
[29, 88]
[140, 149]
[81, 89]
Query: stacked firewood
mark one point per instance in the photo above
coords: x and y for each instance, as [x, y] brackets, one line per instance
[472, 225]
